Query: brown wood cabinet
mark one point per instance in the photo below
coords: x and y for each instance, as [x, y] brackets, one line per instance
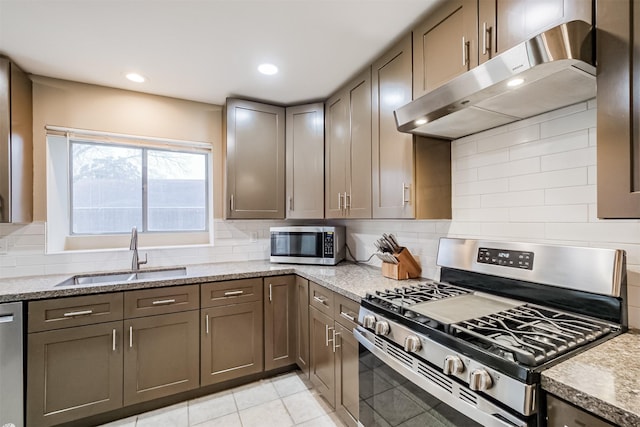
[445, 45]
[392, 151]
[321, 354]
[347, 379]
[348, 150]
[74, 373]
[279, 321]
[255, 150]
[618, 118]
[305, 161]
[302, 324]
[231, 342]
[563, 414]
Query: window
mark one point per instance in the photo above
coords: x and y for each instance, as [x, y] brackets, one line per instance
[115, 187]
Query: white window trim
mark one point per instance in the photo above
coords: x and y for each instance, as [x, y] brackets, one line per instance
[58, 238]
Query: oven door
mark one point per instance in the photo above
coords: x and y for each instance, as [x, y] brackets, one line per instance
[399, 389]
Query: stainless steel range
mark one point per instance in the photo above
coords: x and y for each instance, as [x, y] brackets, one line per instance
[469, 349]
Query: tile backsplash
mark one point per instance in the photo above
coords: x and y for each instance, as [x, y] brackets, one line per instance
[532, 181]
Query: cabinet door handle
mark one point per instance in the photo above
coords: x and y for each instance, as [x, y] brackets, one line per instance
[130, 336]
[164, 301]
[348, 316]
[113, 339]
[334, 340]
[233, 293]
[347, 205]
[206, 322]
[465, 58]
[406, 187]
[484, 38]
[339, 201]
[487, 39]
[290, 203]
[327, 328]
[232, 204]
[270, 293]
[78, 313]
[321, 300]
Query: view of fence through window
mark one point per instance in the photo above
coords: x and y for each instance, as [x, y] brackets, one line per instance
[117, 187]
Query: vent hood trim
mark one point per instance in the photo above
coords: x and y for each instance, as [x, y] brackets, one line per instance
[557, 68]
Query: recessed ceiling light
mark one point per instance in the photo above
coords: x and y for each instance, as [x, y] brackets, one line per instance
[135, 77]
[420, 122]
[268, 69]
[515, 82]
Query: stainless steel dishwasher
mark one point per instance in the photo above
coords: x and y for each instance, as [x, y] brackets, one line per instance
[11, 365]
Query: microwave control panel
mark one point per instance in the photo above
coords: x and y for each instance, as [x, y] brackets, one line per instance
[328, 244]
[506, 258]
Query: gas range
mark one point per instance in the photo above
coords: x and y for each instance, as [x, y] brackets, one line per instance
[501, 313]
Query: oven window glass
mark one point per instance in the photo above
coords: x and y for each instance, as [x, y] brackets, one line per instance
[389, 399]
[296, 244]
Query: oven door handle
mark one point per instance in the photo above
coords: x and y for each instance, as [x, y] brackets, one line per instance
[485, 412]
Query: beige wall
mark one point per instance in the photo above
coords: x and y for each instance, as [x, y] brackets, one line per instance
[83, 106]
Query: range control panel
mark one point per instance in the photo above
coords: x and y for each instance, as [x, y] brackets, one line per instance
[506, 258]
[328, 244]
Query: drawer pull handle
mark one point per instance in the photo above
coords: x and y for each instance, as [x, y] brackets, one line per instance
[164, 301]
[321, 300]
[233, 293]
[348, 316]
[78, 313]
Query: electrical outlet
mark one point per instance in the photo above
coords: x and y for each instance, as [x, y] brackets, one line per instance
[4, 246]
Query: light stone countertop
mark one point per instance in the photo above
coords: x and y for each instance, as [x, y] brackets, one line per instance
[604, 380]
[348, 279]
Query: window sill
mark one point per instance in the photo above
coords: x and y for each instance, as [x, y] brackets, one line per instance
[122, 241]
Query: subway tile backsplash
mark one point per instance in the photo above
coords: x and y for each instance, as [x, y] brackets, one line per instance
[531, 181]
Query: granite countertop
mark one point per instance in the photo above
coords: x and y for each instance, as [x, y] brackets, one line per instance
[348, 279]
[604, 380]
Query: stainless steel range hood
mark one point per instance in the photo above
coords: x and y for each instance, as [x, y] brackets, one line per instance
[556, 68]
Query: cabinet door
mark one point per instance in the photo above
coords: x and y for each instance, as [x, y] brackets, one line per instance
[87, 357]
[563, 414]
[302, 324]
[255, 160]
[322, 355]
[618, 128]
[486, 30]
[161, 356]
[305, 161]
[231, 342]
[392, 151]
[347, 379]
[445, 45]
[358, 200]
[279, 321]
[337, 148]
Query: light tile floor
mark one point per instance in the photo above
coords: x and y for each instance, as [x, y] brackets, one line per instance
[285, 400]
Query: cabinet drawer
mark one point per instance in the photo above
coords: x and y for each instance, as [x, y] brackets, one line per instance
[217, 294]
[346, 311]
[74, 311]
[148, 302]
[321, 298]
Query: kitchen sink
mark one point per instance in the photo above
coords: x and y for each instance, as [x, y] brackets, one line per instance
[123, 277]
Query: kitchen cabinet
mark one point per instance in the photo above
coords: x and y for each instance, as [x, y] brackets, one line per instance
[346, 360]
[392, 151]
[255, 152]
[232, 337]
[348, 150]
[161, 354]
[321, 354]
[75, 341]
[503, 24]
[563, 414]
[433, 178]
[445, 45]
[279, 321]
[16, 144]
[305, 161]
[302, 324]
[618, 115]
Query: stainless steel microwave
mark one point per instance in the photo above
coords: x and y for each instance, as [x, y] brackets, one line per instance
[308, 245]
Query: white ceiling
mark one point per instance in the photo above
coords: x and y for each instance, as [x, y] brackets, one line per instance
[205, 50]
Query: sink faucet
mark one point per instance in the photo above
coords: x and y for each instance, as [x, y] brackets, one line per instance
[135, 263]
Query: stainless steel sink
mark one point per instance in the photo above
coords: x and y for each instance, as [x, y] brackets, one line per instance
[123, 277]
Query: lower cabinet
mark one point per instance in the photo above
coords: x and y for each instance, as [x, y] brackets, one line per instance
[321, 354]
[347, 379]
[302, 324]
[87, 357]
[279, 321]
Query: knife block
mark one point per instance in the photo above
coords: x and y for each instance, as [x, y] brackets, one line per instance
[406, 268]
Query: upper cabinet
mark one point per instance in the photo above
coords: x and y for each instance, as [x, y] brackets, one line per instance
[392, 151]
[503, 24]
[16, 144]
[618, 118]
[255, 144]
[348, 150]
[445, 45]
[305, 161]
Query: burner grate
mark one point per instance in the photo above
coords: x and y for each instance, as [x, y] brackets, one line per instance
[399, 298]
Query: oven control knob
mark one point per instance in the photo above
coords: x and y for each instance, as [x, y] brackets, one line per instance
[368, 321]
[412, 344]
[453, 365]
[382, 327]
[480, 380]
